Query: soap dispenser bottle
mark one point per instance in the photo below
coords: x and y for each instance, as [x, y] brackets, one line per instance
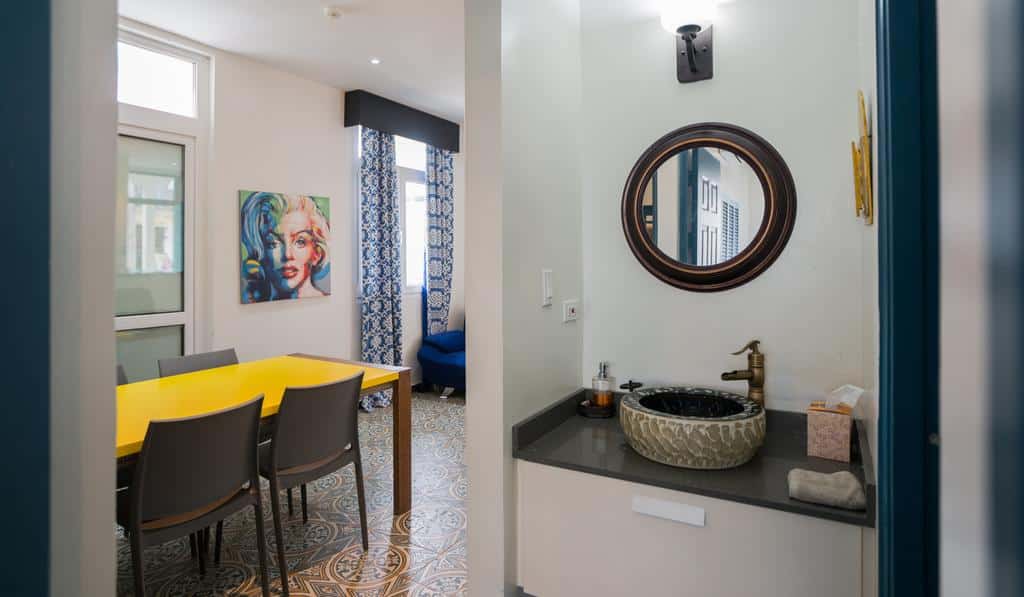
[603, 385]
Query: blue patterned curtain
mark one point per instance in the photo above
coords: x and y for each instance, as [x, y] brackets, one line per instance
[440, 237]
[380, 256]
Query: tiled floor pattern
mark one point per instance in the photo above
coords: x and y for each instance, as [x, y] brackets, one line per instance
[422, 553]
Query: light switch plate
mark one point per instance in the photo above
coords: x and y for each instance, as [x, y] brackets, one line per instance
[570, 310]
[546, 290]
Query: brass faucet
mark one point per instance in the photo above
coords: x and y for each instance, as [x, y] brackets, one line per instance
[753, 374]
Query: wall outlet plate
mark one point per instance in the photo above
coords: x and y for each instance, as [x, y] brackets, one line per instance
[570, 310]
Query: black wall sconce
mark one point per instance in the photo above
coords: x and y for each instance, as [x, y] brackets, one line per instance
[694, 53]
[690, 22]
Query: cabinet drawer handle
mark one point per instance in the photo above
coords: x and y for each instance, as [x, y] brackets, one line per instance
[684, 513]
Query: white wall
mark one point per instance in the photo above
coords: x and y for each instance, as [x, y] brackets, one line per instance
[486, 445]
[83, 150]
[868, 406]
[522, 174]
[807, 308]
[964, 399]
[541, 211]
[541, 207]
[275, 131]
[811, 309]
[869, 234]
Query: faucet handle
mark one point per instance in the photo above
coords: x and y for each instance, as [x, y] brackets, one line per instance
[752, 346]
[631, 386]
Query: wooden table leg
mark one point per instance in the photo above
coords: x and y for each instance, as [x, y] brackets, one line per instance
[402, 415]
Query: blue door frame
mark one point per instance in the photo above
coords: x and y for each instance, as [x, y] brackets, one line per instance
[908, 222]
[25, 305]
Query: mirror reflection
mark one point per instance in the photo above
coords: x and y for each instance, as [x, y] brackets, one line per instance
[703, 206]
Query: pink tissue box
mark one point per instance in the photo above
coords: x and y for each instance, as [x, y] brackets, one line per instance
[829, 431]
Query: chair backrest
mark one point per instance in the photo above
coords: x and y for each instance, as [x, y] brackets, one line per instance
[121, 377]
[316, 423]
[197, 362]
[186, 465]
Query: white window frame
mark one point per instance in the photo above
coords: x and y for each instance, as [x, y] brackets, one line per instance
[406, 175]
[191, 133]
[184, 317]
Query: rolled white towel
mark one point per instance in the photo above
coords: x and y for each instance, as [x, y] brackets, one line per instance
[841, 490]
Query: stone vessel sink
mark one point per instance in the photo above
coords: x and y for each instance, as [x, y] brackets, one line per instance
[692, 427]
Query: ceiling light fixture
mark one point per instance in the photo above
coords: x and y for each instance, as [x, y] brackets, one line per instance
[374, 60]
[333, 11]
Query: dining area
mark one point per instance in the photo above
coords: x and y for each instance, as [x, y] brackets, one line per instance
[214, 442]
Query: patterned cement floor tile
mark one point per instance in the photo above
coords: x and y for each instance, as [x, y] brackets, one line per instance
[421, 553]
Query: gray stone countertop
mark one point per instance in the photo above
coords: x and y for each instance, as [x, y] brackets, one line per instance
[557, 436]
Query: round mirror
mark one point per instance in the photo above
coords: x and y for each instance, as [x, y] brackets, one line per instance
[703, 206]
[708, 207]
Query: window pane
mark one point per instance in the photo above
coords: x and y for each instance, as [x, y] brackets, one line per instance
[155, 80]
[138, 350]
[415, 232]
[149, 232]
[410, 154]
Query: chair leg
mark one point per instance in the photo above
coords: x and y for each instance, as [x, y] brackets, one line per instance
[291, 511]
[305, 515]
[261, 546]
[192, 546]
[362, 501]
[275, 505]
[217, 542]
[140, 583]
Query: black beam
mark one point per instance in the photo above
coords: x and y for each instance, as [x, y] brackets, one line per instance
[363, 108]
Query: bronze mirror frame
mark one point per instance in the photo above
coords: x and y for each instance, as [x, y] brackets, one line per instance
[776, 224]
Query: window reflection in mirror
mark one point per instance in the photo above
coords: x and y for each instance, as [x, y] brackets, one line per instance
[703, 206]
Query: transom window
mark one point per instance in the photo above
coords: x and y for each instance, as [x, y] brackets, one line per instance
[156, 80]
[161, 96]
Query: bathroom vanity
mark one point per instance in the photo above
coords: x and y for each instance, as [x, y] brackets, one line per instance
[597, 518]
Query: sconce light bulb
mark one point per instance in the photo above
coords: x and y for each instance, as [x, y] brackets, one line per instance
[679, 13]
[333, 12]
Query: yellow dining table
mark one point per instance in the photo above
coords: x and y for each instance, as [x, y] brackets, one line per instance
[199, 392]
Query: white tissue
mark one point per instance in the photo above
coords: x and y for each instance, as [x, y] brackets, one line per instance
[846, 394]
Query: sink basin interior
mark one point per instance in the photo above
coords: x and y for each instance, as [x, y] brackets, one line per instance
[692, 405]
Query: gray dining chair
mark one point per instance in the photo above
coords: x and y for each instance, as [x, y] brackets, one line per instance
[316, 434]
[196, 362]
[210, 360]
[187, 364]
[125, 471]
[192, 472]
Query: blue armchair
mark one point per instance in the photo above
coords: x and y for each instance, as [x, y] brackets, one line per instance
[442, 356]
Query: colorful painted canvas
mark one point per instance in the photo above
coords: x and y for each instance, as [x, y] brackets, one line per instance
[284, 246]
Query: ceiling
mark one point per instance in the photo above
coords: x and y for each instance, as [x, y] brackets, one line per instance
[419, 43]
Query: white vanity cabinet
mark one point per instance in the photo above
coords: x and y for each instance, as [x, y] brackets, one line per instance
[579, 535]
